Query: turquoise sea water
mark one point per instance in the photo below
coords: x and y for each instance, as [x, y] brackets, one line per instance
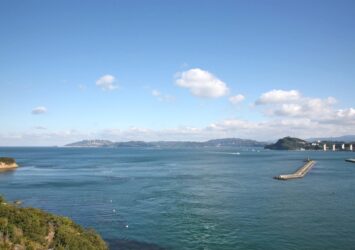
[191, 198]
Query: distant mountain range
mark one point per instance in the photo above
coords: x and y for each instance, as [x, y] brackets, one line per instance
[227, 142]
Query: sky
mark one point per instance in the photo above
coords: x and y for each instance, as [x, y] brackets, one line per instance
[175, 70]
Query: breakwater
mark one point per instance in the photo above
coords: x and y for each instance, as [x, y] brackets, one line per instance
[300, 173]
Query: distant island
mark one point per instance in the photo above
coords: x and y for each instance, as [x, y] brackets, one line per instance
[7, 163]
[226, 142]
[30, 228]
[291, 143]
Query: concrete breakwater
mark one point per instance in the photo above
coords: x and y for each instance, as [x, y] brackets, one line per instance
[300, 173]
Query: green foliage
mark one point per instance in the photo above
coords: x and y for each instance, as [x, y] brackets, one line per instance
[31, 228]
[7, 160]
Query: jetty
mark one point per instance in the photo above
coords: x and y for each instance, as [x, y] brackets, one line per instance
[300, 173]
[350, 160]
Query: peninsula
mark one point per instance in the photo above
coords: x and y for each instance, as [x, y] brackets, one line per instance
[7, 163]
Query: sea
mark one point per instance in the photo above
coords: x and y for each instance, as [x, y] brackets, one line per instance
[191, 198]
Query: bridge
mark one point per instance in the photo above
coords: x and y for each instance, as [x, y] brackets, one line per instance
[338, 146]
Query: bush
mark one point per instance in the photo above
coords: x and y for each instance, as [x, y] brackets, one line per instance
[30, 228]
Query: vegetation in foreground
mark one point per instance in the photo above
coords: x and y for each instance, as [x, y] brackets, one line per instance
[34, 229]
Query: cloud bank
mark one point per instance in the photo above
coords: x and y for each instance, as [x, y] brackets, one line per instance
[284, 113]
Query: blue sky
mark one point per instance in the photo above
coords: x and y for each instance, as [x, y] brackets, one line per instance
[148, 70]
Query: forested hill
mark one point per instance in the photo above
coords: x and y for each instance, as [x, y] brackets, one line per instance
[289, 143]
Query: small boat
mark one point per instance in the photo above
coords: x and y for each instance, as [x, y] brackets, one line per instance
[350, 160]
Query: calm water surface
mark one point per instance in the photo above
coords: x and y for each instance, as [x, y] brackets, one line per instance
[192, 198]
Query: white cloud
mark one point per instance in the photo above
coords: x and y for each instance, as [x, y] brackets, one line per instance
[162, 97]
[202, 83]
[236, 99]
[107, 82]
[39, 110]
[278, 96]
